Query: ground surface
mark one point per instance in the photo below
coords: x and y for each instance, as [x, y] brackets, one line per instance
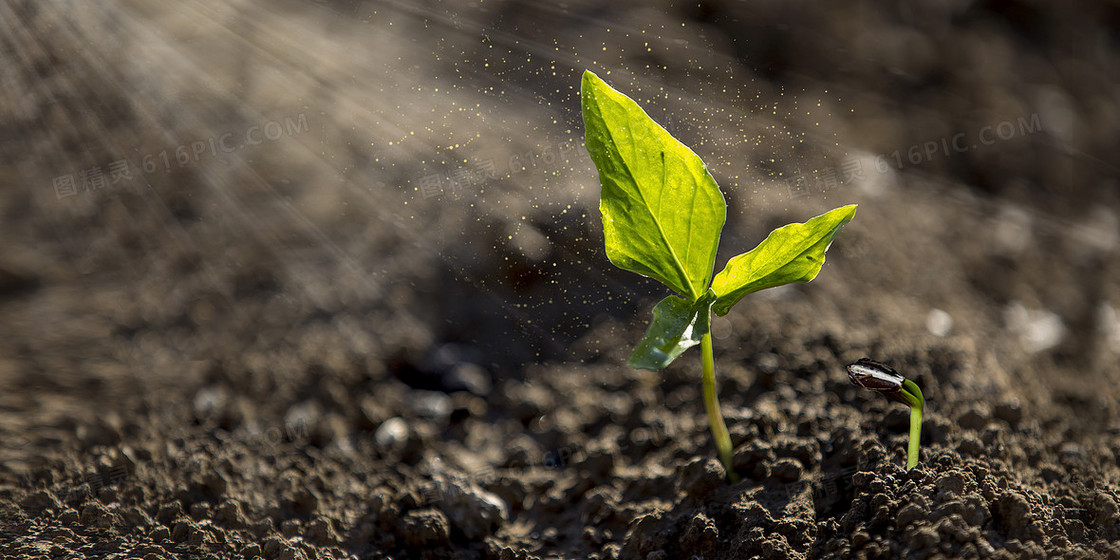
[380, 325]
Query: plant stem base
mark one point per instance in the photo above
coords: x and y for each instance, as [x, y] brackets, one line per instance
[715, 417]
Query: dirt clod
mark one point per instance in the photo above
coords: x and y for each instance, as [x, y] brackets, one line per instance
[701, 476]
[394, 333]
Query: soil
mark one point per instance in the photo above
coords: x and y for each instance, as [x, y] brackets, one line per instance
[300, 348]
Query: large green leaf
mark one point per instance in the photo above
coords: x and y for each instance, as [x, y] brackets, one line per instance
[677, 325]
[792, 253]
[662, 211]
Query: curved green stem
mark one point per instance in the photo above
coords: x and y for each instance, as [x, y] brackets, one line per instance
[711, 403]
[913, 397]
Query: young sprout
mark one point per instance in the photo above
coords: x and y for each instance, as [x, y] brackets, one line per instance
[662, 218]
[876, 376]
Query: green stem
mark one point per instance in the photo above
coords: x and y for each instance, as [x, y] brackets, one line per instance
[711, 403]
[917, 404]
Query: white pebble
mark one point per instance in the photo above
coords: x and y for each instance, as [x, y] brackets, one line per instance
[939, 322]
[1038, 329]
[391, 432]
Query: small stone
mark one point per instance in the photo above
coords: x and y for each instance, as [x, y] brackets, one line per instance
[701, 476]
[391, 433]
[939, 322]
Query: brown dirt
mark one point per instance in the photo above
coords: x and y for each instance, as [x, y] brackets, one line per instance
[291, 350]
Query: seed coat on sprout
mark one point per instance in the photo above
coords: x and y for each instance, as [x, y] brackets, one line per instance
[881, 378]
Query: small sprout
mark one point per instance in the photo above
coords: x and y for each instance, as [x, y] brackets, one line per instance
[662, 218]
[879, 377]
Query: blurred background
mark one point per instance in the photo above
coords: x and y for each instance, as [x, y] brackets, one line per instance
[248, 212]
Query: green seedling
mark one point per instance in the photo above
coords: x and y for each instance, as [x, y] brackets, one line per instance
[875, 376]
[662, 218]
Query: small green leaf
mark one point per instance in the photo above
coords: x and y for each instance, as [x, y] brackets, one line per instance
[662, 211]
[792, 253]
[677, 325]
